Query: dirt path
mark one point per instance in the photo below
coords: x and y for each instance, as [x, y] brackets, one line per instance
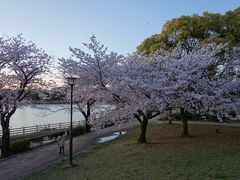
[27, 163]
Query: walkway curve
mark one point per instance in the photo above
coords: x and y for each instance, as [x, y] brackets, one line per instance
[35, 160]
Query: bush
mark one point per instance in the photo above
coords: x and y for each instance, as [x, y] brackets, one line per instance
[212, 118]
[78, 131]
[176, 116]
[163, 118]
[20, 146]
[194, 117]
[189, 116]
[108, 124]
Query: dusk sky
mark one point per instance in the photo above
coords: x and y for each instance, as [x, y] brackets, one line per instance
[121, 25]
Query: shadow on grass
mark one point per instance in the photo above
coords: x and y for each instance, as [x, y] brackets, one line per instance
[71, 167]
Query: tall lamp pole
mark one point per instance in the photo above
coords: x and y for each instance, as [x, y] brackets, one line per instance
[71, 82]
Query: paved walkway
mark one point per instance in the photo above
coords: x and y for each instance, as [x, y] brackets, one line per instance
[27, 163]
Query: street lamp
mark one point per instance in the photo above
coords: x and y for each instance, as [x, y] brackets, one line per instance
[71, 82]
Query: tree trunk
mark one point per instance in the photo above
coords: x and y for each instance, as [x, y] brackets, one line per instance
[142, 138]
[184, 123]
[5, 148]
[5, 119]
[170, 117]
[144, 123]
[88, 127]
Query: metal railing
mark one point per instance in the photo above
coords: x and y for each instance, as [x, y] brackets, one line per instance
[41, 128]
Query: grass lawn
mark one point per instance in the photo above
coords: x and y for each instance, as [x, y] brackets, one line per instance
[204, 155]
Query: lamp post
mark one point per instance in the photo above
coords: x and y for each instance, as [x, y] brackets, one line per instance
[71, 82]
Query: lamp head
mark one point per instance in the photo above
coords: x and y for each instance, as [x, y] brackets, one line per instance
[71, 80]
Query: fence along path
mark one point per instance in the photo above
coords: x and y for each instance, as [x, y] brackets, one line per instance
[41, 128]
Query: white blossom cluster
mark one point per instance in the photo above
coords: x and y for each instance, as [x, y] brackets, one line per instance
[204, 81]
[21, 67]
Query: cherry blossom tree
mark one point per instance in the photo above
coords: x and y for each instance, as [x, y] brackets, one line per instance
[134, 83]
[199, 82]
[143, 87]
[102, 78]
[92, 69]
[22, 68]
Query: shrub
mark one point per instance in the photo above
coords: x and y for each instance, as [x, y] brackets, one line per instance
[212, 118]
[78, 131]
[176, 116]
[108, 124]
[193, 116]
[163, 118]
[20, 146]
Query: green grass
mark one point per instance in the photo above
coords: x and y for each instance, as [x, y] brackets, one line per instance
[204, 155]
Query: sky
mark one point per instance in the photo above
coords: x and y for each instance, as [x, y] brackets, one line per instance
[121, 25]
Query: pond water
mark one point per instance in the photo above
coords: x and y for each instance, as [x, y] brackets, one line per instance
[110, 137]
[55, 113]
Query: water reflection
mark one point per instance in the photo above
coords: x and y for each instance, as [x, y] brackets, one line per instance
[47, 114]
[110, 137]
[29, 116]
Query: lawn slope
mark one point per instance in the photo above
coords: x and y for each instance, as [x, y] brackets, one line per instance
[204, 155]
